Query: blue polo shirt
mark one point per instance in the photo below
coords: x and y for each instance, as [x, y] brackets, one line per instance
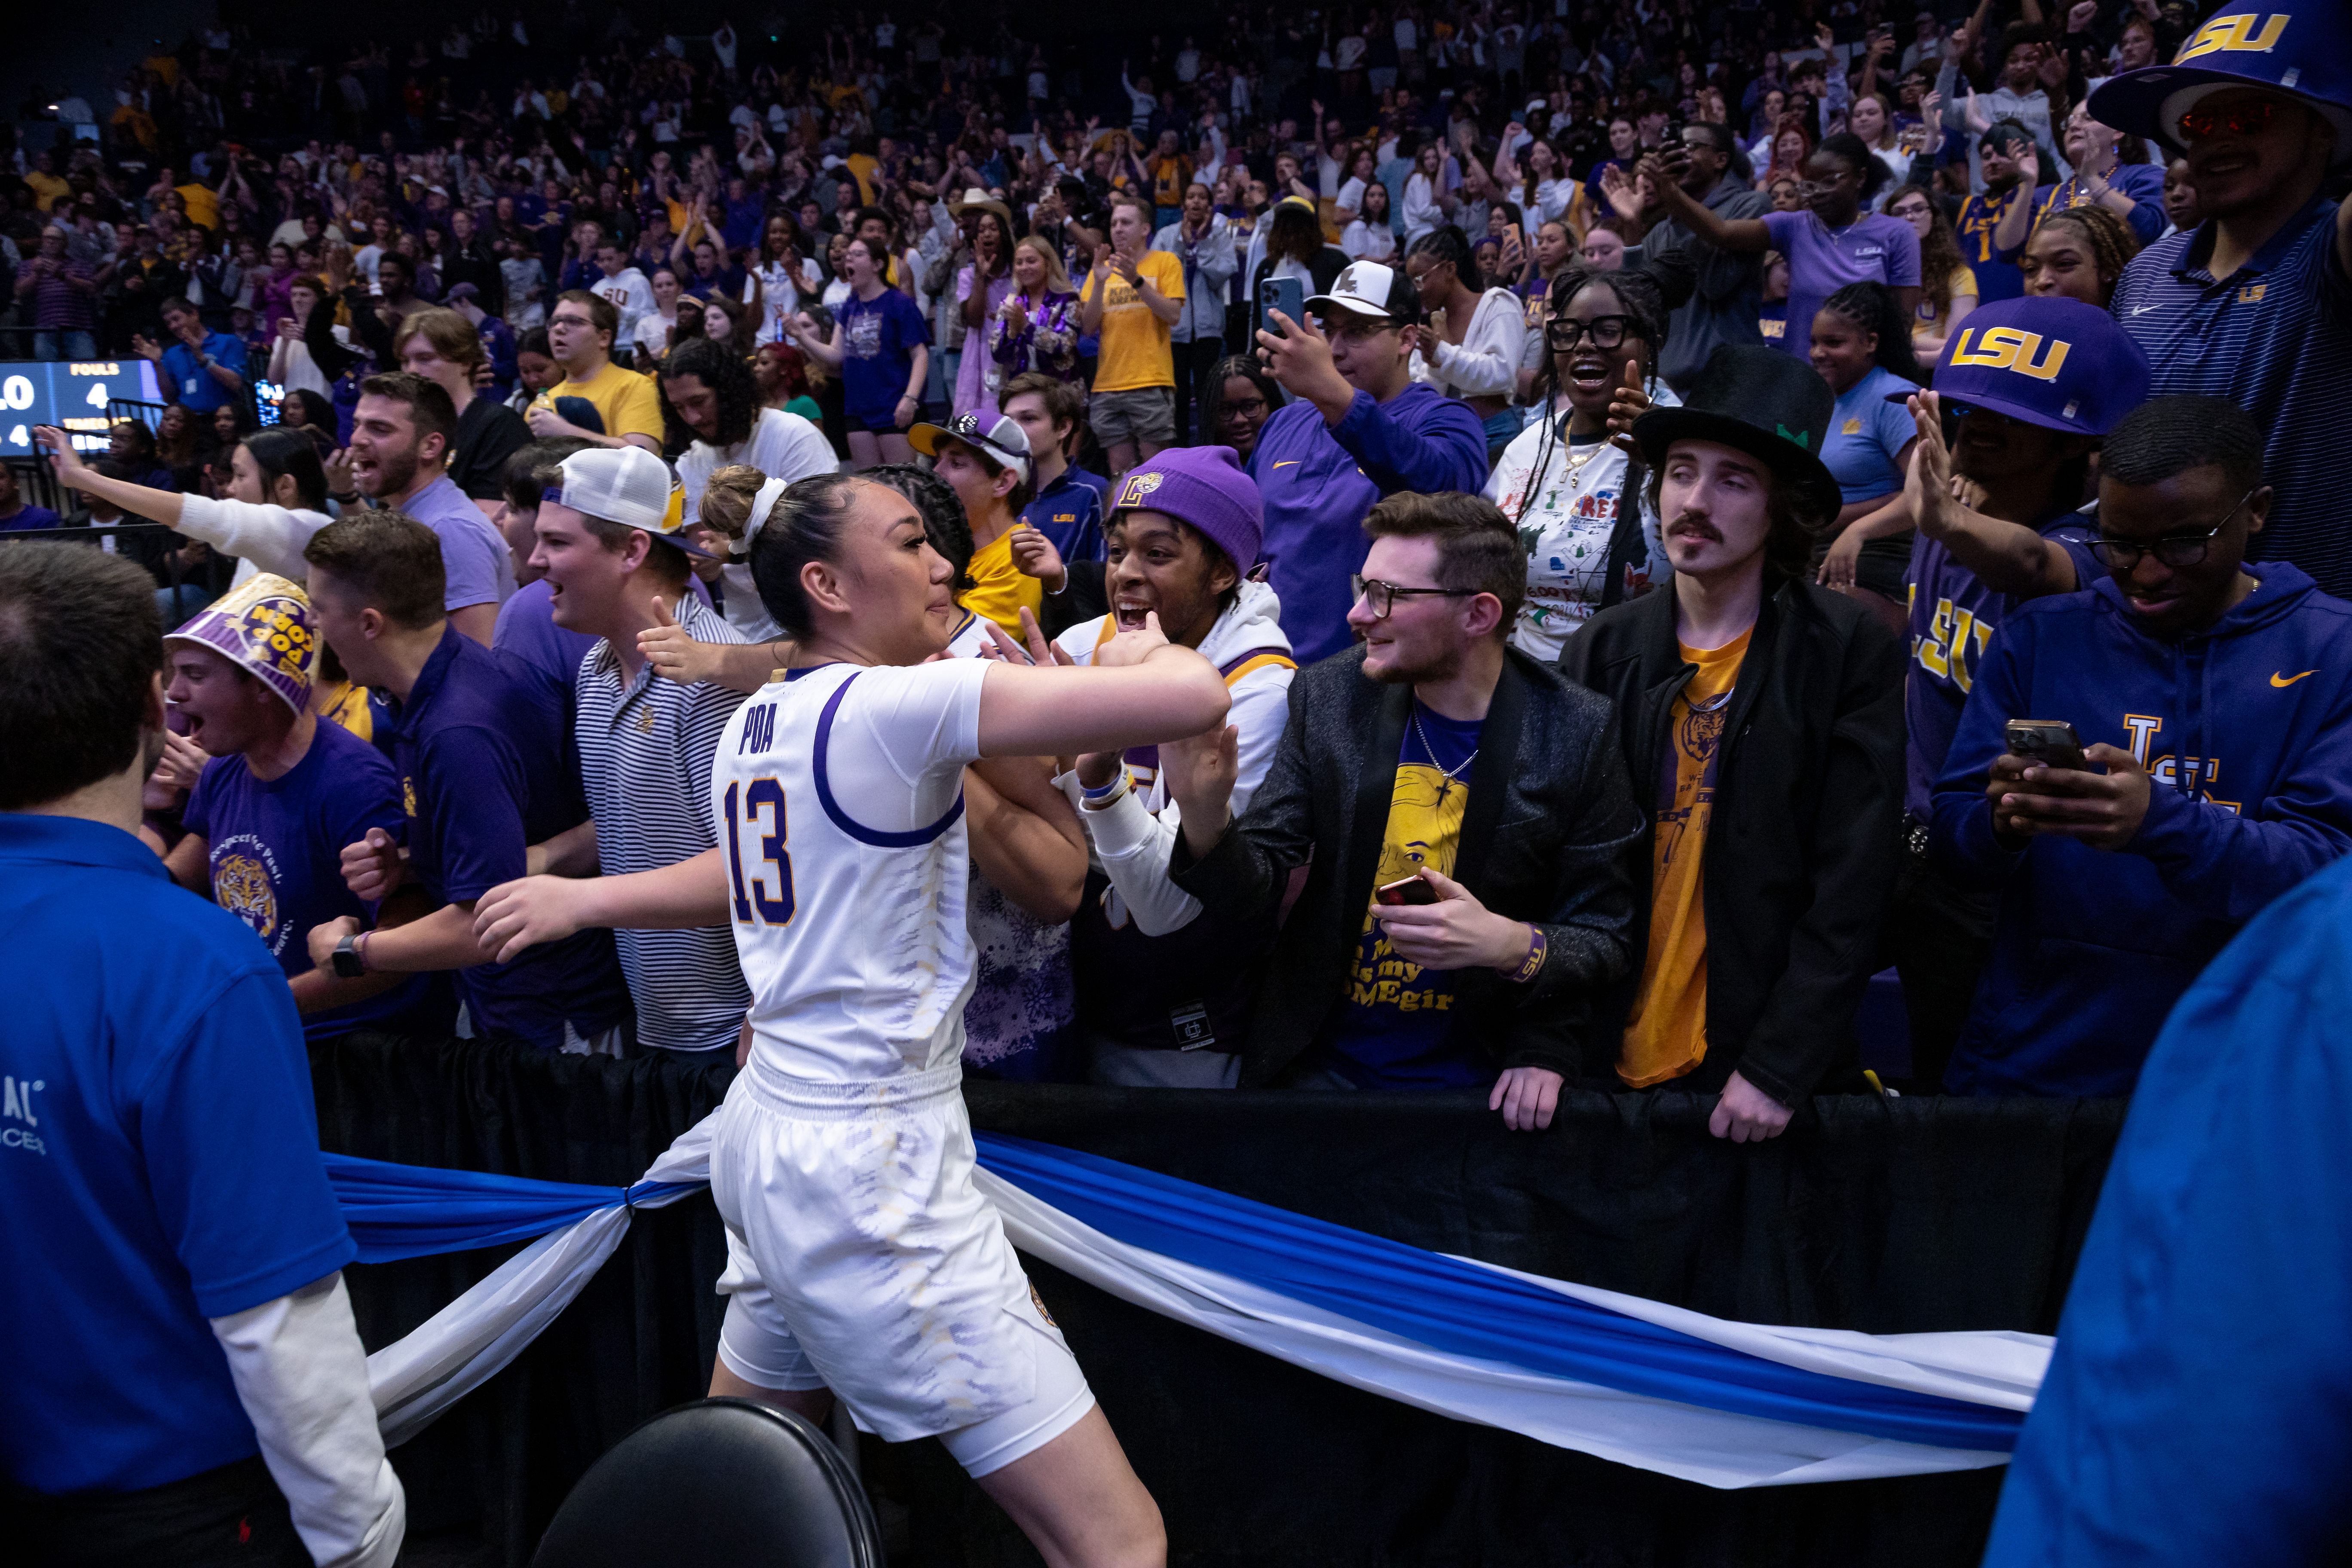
[159, 1162]
[1071, 512]
[2276, 339]
[199, 393]
[487, 767]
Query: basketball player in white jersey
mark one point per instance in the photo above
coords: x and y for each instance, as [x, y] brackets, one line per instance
[861, 1258]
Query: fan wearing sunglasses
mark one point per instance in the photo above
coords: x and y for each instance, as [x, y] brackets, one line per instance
[2214, 697]
[2254, 303]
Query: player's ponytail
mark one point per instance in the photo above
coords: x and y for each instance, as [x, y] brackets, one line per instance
[807, 525]
[727, 497]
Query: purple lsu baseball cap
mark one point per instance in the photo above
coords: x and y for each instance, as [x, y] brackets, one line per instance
[1206, 487]
[2056, 362]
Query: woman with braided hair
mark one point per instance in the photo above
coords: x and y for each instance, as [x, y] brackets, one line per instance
[1574, 496]
[2079, 253]
[1477, 335]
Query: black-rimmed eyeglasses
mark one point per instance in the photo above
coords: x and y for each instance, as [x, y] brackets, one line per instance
[2176, 550]
[1382, 596]
[1606, 331]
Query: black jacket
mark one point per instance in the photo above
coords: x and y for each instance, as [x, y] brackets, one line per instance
[1543, 840]
[1800, 850]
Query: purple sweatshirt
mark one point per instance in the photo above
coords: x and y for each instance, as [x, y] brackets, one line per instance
[1319, 481]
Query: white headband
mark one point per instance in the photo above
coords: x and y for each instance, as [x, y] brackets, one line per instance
[761, 505]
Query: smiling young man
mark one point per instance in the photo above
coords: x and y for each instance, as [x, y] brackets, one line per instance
[1163, 997]
[616, 564]
[1359, 428]
[2254, 304]
[401, 432]
[986, 463]
[1438, 761]
[2216, 698]
[1750, 697]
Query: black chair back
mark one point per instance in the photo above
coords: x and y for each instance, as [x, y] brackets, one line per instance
[723, 1482]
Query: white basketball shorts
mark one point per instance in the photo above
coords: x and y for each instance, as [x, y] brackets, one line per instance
[861, 1257]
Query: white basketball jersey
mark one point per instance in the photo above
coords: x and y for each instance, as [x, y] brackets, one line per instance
[838, 796]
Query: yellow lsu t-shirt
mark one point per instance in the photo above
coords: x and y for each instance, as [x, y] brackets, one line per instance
[625, 401]
[1001, 590]
[1666, 1035]
[1135, 350]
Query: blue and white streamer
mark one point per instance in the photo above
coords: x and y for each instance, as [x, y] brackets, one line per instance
[1724, 1403]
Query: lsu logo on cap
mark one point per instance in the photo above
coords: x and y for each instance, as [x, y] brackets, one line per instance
[2006, 348]
[2236, 35]
[1137, 488]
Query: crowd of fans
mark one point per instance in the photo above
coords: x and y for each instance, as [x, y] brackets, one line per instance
[1695, 506]
[1359, 328]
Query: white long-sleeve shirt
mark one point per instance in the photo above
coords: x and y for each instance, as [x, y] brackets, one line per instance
[1486, 363]
[1421, 213]
[302, 1378]
[1134, 838]
[263, 538]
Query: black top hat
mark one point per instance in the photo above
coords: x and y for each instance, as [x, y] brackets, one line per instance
[1765, 403]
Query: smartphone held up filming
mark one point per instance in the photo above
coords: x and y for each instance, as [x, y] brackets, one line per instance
[1286, 294]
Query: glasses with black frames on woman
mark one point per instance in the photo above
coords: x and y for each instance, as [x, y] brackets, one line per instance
[1606, 331]
[1382, 596]
[2176, 550]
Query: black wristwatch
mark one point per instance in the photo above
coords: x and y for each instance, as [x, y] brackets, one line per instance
[349, 965]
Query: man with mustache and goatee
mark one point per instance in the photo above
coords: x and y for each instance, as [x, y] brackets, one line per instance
[1761, 719]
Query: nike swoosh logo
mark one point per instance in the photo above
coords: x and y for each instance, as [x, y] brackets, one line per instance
[2283, 682]
[2142, 309]
[1291, 463]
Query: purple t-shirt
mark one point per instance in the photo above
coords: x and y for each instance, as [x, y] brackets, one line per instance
[878, 339]
[485, 753]
[526, 629]
[1872, 248]
[276, 849]
[473, 556]
[1953, 618]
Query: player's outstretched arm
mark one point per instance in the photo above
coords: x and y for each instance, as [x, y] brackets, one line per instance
[529, 910]
[1140, 690]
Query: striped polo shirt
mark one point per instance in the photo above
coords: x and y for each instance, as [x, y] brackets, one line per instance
[645, 748]
[2276, 339]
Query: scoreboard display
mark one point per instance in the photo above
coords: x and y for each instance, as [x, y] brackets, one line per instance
[69, 394]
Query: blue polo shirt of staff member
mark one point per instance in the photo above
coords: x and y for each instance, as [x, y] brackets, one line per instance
[185, 1383]
[200, 372]
[1361, 428]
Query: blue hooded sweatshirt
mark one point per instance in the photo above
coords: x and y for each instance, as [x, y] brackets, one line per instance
[1319, 481]
[2091, 949]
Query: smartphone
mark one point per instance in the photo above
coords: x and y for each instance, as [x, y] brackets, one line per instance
[1286, 294]
[1406, 890]
[269, 401]
[2050, 741]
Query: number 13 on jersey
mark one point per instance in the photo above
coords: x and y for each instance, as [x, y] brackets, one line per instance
[755, 816]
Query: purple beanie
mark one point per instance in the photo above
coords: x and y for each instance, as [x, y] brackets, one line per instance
[1206, 487]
